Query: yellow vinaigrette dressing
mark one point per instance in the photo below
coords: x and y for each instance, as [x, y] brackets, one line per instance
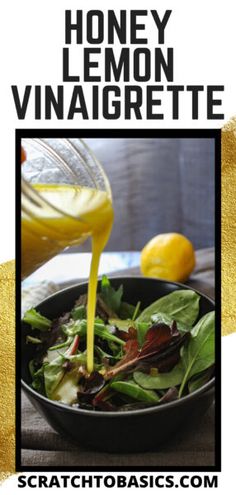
[67, 216]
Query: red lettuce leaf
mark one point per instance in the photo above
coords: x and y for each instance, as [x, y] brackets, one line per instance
[156, 339]
[101, 399]
[160, 348]
[131, 334]
[169, 396]
[91, 384]
[130, 358]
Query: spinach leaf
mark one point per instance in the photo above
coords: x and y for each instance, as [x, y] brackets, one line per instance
[133, 390]
[36, 320]
[181, 306]
[199, 380]
[200, 352]
[161, 380]
[111, 296]
[161, 318]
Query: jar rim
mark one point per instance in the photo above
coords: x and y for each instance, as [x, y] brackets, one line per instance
[41, 144]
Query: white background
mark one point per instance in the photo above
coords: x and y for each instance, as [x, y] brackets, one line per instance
[32, 36]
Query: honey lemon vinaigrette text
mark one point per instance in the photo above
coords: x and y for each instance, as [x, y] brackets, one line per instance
[70, 214]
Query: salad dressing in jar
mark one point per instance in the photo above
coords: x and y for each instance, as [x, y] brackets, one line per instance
[66, 198]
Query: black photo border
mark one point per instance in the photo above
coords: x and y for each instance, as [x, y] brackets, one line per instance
[114, 134]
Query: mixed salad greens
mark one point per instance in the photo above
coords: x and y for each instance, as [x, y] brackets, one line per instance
[142, 358]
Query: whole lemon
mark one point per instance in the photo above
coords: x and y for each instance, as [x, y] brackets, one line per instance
[169, 256]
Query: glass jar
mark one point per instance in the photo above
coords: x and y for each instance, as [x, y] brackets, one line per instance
[66, 197]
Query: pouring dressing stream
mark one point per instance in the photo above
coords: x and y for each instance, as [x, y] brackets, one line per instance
[56, 216]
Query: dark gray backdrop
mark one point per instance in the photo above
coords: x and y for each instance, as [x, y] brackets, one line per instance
[159, 185]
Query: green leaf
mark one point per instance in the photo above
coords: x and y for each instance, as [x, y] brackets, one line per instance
[161, 318]
[67, 389]
[111, 296]
[80, 358]
[123, 325]
[199, 380]
[181, 306]
[66, 343]
[32, 340]
[36, 320]
[53, 374]
[136, 311]
[104, 355]
[126, 311]
[37, 377]
[54, 370]
[79, 313]
[116, 349]
[142, 329]
[126, 323]
[133, 390]
[31, 367]
[101, 331]
[79, 327]
[200, 352]
[161, 380]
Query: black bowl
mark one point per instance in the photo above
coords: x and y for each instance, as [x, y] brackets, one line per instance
[122, 431]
